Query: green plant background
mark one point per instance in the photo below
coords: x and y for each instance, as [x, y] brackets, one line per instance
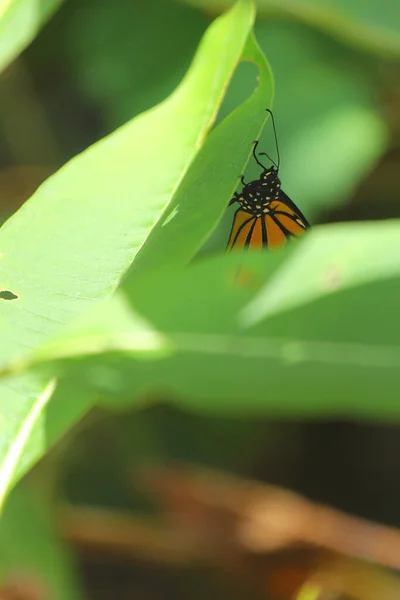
[125, 126]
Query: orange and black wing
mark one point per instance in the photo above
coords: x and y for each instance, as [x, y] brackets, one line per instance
[284, 198]
[248, 231]
[282, 222]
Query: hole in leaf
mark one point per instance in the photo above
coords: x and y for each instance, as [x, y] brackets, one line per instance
[240, 88]
[7, 295]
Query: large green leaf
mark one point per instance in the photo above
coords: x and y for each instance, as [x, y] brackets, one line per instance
[20, 21]
[70, 244]
[306, 331]
[329, 261]
[88, 221]
[204, 193]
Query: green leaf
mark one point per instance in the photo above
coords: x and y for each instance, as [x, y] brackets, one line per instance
[329, 261]
[14, 438]
[68, 247]
[305, 331]
[31, 420]
[88, 221]
[30, 551]
[20, 21]
[208, 186]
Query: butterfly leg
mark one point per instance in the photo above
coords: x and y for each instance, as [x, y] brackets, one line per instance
[234, 199]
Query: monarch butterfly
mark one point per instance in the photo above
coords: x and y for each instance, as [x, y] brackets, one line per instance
[267, 217]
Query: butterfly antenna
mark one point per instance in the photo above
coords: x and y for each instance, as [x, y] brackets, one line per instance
[276, 139]
[269, 158]
[255, 156]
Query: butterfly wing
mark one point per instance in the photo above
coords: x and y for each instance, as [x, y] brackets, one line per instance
[285, 220]
[243, 230]
[291, 205]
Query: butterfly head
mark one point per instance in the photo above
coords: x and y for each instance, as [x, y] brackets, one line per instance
[270, 174]
[257, 195]
[269, 180]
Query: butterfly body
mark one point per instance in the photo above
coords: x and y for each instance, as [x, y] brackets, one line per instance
[257, 195]
[267, 217]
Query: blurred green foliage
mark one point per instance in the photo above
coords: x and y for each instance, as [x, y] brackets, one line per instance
[20, 22]
[372, 26]
[30, 551]
[124, 291]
